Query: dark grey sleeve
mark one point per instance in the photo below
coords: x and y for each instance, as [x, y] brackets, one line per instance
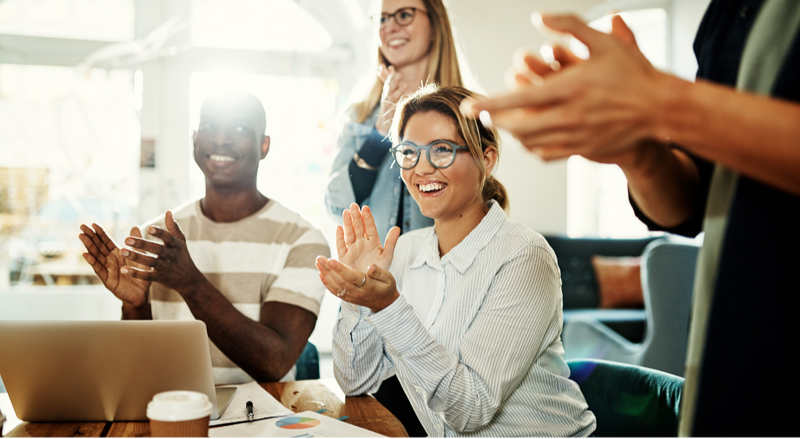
[373, 151]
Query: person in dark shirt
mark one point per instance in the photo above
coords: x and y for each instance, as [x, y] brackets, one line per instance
[701, 156]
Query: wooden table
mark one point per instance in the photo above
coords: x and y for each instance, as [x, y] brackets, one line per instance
[299, 396]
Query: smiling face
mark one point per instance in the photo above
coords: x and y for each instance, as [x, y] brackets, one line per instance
[405, 45]
[229, 142]
[447, 193]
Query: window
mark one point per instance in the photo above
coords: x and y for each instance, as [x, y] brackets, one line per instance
[70, 155]
[105, 20]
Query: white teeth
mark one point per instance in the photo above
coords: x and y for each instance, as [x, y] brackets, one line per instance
[394, 43]
[221, 158]
[430, 187]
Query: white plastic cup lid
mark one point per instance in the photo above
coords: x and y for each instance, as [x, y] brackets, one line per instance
[179, 405]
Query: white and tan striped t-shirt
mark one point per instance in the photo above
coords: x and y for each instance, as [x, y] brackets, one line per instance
[268, 256]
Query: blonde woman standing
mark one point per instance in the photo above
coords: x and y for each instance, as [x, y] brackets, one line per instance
[416, 47]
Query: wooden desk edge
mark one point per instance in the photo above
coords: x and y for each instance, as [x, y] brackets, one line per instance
[299, 396]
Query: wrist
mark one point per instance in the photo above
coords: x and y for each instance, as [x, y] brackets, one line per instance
[380, 127]
[192, 285]
[645, 159]
[671, 97]
[136, 312]
[384, 304]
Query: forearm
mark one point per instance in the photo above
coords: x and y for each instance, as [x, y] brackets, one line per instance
[359, 363]
[446, 384]
[261, 351]
[754, 135]
[665, 184]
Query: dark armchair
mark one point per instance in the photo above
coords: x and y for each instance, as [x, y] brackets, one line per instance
[629, 401]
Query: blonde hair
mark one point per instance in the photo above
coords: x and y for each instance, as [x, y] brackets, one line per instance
[479, 138]
[443, 65]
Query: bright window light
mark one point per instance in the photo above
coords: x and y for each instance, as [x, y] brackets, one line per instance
[69, 155]
[276, 25]
[104, 20]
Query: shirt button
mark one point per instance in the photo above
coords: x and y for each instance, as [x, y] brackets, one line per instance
[745, 11]
[408, 224]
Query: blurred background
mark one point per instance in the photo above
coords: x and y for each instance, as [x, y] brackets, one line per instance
[99, 98]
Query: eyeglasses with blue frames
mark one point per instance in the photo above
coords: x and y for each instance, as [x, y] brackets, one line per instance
[402, 16]
[441, 153]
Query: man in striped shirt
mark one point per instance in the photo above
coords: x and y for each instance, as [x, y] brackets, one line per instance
[240, 262]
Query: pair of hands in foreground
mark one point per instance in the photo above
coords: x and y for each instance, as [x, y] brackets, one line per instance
[128, 272]
[361, 275]
[603, 108]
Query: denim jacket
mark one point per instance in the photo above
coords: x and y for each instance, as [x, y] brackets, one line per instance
[385, 197]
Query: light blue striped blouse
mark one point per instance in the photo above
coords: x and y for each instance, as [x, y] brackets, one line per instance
[474, 338]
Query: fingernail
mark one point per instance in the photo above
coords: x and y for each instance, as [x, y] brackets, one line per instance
[125, 253]
[547, 53]
[151, 230]
[466, 106]
[130, 241]
[124, 271]
[485, 119]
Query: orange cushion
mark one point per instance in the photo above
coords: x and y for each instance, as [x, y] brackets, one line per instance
[619, 283]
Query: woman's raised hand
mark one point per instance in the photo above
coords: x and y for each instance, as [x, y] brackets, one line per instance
[361, 276]
[358, 244]
[394, 87]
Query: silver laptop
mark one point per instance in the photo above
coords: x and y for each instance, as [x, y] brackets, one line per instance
[102, 370]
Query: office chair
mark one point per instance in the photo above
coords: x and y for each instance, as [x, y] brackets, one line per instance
[668, 268]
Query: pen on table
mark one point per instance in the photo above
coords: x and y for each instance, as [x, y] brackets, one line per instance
[249, 407]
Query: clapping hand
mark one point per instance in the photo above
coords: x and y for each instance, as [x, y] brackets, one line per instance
[600, 108]
[107, 262]
[361, 275]
[395, 85]
[172, 266]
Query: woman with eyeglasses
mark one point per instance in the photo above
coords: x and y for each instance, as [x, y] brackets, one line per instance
[466, 313]
[416, 47]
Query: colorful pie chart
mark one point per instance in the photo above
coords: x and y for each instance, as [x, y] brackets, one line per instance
[297, 423]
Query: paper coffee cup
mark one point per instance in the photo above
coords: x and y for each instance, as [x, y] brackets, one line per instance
[179, 414]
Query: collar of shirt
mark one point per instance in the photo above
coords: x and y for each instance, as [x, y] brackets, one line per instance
[463, 255]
